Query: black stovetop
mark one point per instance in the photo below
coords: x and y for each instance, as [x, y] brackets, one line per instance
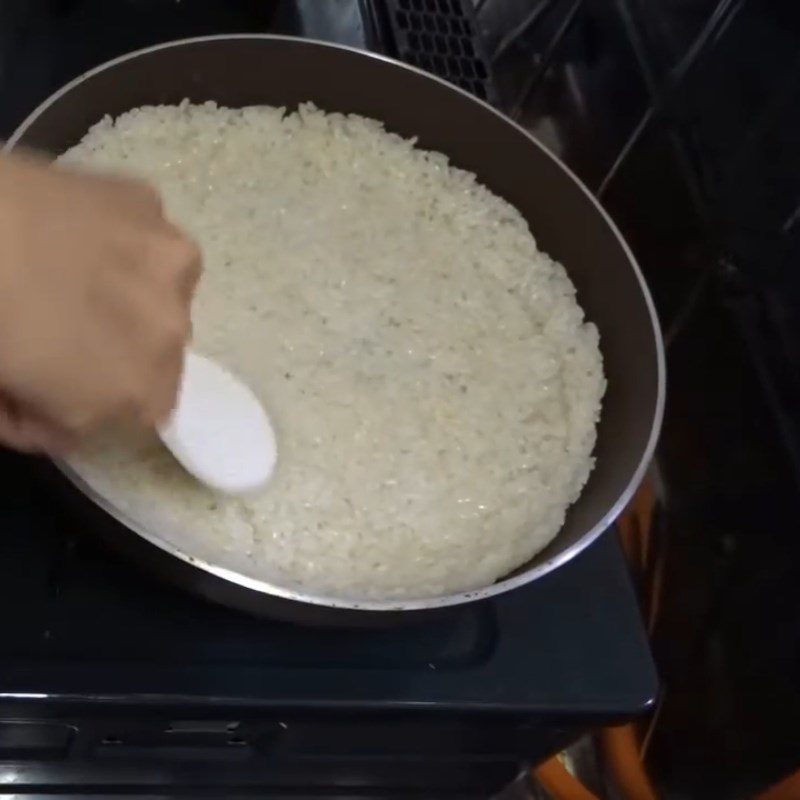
[79, 621]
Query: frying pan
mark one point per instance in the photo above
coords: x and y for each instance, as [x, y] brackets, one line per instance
[566, 220]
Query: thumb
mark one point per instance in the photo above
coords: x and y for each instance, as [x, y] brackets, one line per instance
[25, 431]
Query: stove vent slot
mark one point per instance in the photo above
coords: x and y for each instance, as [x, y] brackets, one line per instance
[441, 37]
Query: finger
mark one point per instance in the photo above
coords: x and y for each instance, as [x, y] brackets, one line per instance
[28, 433]
[165, 395]
[157, 331]
[145, 197]
[181, 260]
[135, 196]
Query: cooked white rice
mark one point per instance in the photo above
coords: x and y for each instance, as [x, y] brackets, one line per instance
[432, 381]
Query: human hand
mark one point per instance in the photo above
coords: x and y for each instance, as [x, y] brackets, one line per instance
[95, 294]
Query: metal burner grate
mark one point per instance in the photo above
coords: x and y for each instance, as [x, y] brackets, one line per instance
[441, 37]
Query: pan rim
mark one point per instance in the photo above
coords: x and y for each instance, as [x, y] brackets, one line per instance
[442, 601]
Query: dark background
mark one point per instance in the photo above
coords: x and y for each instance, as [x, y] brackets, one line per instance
[684, 116]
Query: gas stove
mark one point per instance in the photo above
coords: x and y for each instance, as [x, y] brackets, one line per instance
[112, 683]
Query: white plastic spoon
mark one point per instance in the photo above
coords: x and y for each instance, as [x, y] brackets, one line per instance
[219, 431]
